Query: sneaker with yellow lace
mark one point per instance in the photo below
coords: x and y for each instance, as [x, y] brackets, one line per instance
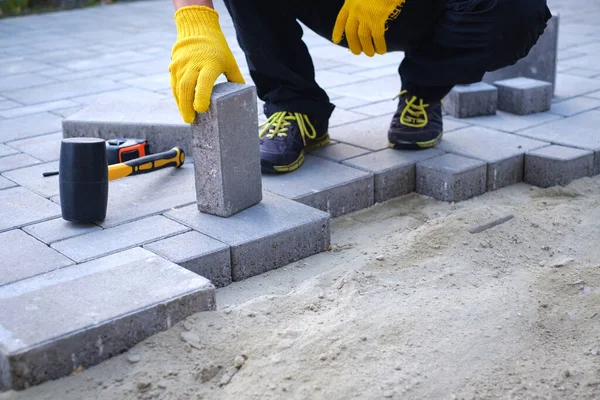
[285, 137]
[416, 124]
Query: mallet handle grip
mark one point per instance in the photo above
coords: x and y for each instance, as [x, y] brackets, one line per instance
[171, 158]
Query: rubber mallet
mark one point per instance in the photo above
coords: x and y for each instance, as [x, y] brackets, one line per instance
[85, 173]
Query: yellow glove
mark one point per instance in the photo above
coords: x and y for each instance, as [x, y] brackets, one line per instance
[200, 55]
[364, 23]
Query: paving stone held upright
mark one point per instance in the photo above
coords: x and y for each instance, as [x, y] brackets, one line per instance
[226, 153]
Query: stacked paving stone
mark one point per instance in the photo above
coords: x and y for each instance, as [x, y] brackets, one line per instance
[163, 250]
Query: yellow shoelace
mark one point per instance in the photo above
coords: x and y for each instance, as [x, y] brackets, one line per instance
[278, 124]
[414, 114]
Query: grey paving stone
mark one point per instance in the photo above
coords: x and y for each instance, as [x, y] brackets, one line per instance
[22, 207]
[394, 170]
[474, 100]
[370, 134]
[225, 149]
[7, 151]
[62, 90]
[568, 86]
[20, 81]
[579, 131]
[574, 106]
[451, 178]
[21, 66]
[507, 122]
[32, 178]
[343, 117]
[45, 147]
[28, 126]
[120, 76]
[154, 118]
[378, 89]
[8, 104]
[160, 81]
[557, 165]
[198, 253]
[325, 185]
[541, 61]
[106, 307]
[110, 59]
[58, 229]
[67, 112]
[270, 235]
[6, 183]
[23, 257]
[523, 96]
[502, 152]
[38, 108]
[339, 152]
[107, 241]
[16, 161]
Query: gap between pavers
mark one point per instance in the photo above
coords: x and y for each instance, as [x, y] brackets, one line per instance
[106, 307]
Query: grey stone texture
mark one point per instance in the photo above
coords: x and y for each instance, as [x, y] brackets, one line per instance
[31, 177]
[28, 126]
[523, 96]
[557, 165]
[132, 234]
[269, 235]
[394, 170]
[451, 178]
[325, 185]
[580, 131]
[339, 152]
[502, 152]
[370, 134]
[6, 183]
[541, 61]
[7, 151]
[225, 148]
[198, 253]
[16, 161]
[32, 257]
[473, 100]
[22, 207]
[58, 229]
[79, 316]
[152, 117]
[45, 148]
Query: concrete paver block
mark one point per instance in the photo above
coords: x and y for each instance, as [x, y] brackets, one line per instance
[23, 257]
[17, 161]
[28, 126]
[226, 151]
[325, 185]
[101, 243]
[574, 106]
[580, 131]
[507, 122]
[474, 100]
[153, 117]
[79, 316]
[6, 183]
[524, 96]
[370, 134]
[31, 177]
[45, 148]
[541, 61]
[269, 235]
[451, 178]
[7, 151]
[503, 152]
[19, 207]
[557, 165]
[198, 253]
[339, 152]
[394, 170]
[58, 229]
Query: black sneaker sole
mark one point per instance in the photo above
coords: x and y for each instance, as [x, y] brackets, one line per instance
[399, 145]
[269, 168]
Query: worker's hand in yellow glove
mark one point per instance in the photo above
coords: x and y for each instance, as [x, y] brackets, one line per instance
[200, 55]
[364, 24]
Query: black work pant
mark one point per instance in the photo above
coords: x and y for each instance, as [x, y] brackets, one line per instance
[446, 42]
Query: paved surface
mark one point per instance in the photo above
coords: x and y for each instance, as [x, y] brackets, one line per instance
[47, 74]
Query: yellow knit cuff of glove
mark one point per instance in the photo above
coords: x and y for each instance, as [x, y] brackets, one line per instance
[196, 20]
[363, 22]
